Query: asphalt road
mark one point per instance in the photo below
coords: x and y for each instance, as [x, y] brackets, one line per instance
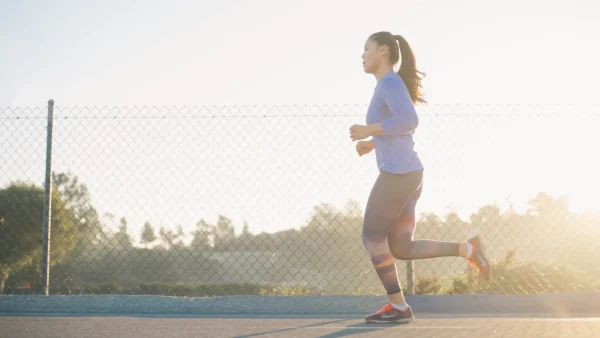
[16, 326]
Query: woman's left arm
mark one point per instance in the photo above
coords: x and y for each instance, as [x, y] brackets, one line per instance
[398, 100]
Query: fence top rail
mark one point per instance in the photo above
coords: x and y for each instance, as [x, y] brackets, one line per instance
[295, 110]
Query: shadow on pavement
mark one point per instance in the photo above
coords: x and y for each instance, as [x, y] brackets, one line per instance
[291, 328]
[347, 331]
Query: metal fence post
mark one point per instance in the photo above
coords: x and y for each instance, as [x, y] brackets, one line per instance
[47, 203]
[410, 278]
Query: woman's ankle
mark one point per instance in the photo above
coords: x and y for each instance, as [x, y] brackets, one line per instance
[397, 299]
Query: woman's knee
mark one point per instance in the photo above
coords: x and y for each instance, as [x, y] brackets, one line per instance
[373, 244]
[401, 246]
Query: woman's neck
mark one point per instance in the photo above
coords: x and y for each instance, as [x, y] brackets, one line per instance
[382, 71]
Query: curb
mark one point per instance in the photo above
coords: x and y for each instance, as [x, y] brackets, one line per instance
[551, 304]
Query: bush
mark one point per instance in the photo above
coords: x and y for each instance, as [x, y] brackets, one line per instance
[427, 286]
[510, 276]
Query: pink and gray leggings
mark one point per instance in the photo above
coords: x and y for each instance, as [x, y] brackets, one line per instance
[390, 216]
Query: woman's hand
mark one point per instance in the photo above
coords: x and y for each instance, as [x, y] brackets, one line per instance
[360, 132]
[364, 147]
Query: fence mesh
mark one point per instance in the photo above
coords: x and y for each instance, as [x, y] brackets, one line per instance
[269, 200]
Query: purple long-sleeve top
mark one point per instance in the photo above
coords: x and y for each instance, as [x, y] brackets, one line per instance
[391, 105]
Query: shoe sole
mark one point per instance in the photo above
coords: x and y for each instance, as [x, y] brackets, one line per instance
[483, 253]
[398, 321]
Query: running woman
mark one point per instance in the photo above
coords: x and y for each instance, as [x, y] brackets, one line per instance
[390, 211]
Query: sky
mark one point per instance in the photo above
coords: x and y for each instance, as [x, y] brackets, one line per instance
[231, 54]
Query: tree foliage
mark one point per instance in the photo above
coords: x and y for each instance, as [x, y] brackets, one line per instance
[21, 215]
[326, 253]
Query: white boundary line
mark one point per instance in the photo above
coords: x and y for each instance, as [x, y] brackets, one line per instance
[387, 327]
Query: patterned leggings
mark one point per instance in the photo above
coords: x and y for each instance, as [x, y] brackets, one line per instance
[390, 216]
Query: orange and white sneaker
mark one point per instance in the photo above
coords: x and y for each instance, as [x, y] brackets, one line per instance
[478, 258]
[390, 314]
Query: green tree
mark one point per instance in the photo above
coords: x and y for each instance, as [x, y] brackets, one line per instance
[172, 239]
[148, 236]
[454, 228]
[76, 197]
[429, 226]
[21, 209]
[546, 205]
[201, 236]
[246, 229]
[224, 233]
[121, 240]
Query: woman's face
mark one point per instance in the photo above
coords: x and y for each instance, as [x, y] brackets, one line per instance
[372, 56]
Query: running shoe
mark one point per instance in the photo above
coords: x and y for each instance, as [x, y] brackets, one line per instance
[390, 314]
[478, 258]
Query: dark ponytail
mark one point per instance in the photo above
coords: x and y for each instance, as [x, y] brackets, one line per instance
[398, 47]
[408, 70]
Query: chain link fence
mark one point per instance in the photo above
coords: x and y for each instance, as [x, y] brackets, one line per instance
[209, 201]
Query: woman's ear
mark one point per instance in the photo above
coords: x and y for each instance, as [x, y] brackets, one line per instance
[384, 50]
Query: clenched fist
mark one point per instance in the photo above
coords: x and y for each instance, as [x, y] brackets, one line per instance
[364, 147]
[360, 132]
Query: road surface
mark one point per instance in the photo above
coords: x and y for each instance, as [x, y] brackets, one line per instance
[48, 326]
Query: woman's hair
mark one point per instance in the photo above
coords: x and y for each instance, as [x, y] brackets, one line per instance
[408, 67]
